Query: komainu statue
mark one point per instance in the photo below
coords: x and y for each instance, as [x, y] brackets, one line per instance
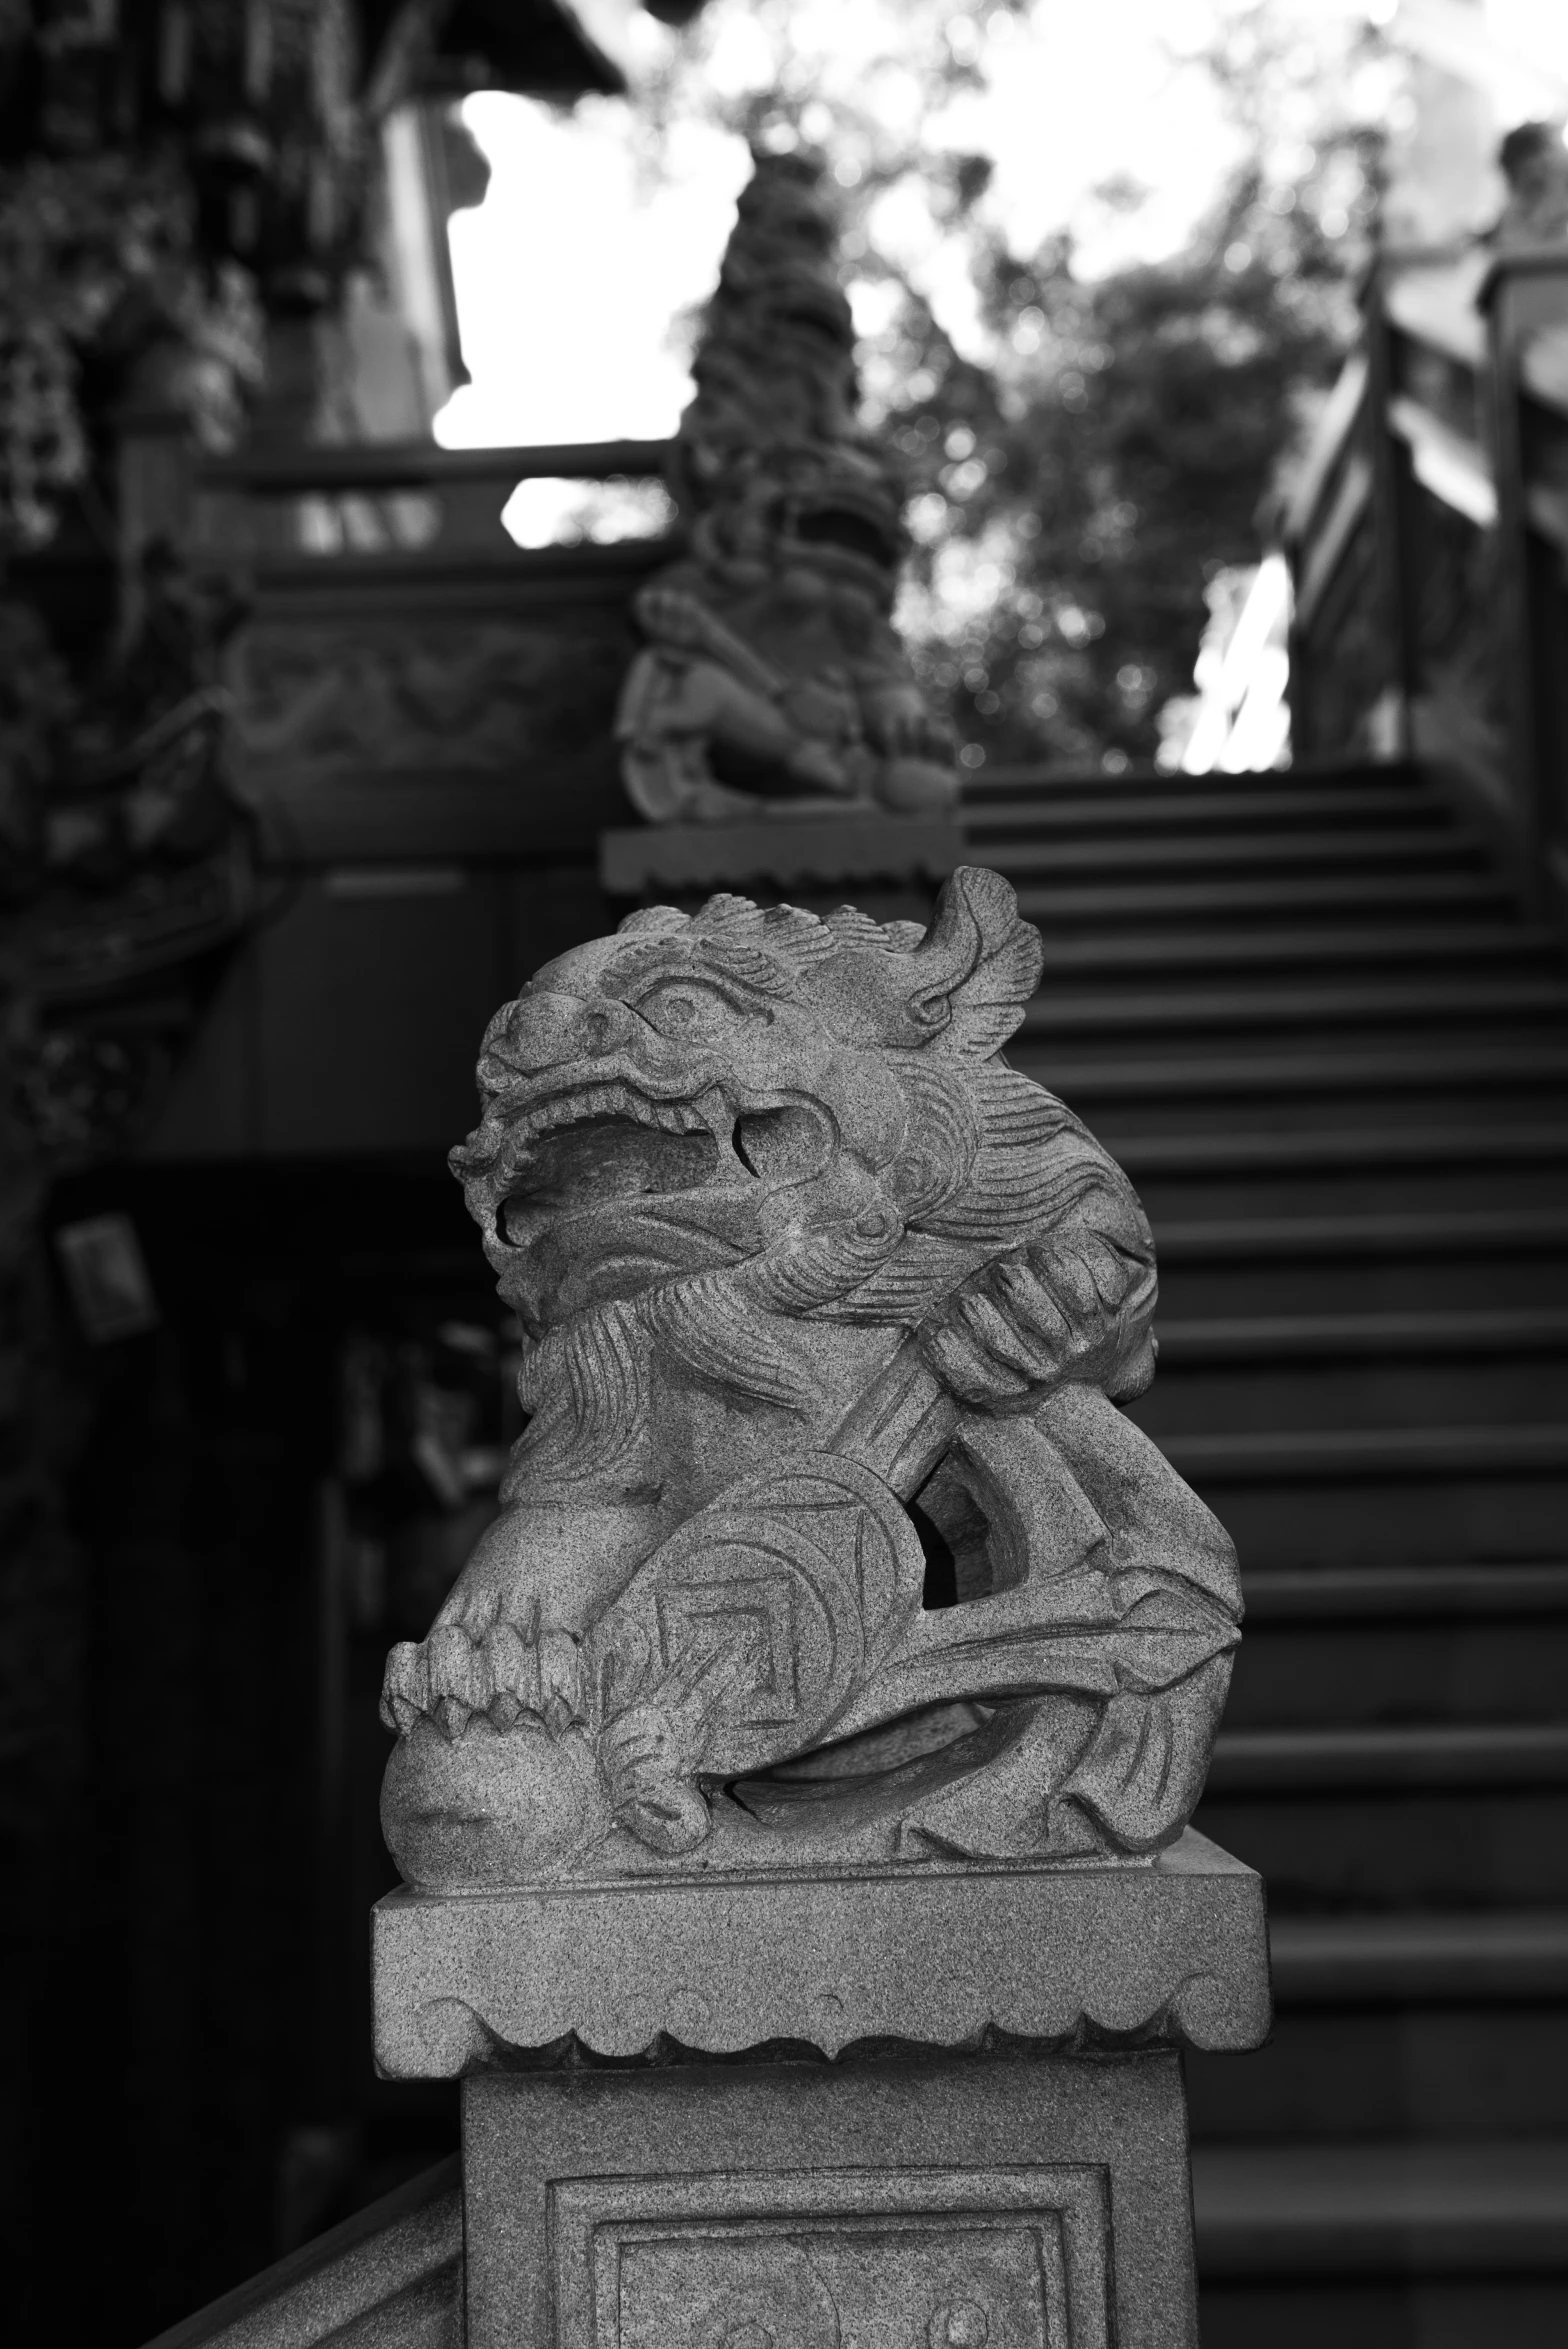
[825, 1537]
[772, 673]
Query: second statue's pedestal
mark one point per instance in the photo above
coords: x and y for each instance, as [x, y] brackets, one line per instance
[928, 2106]
[783, 851]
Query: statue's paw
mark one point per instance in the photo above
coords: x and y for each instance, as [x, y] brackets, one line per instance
[818, 765]
[649, 1782]
[490, 1806]
[505, 1676]
[917, 786]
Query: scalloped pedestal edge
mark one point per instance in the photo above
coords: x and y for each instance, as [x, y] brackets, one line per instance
[939, 1956]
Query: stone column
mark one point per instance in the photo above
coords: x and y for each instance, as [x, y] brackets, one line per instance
[905, 2106]
[792, 1792]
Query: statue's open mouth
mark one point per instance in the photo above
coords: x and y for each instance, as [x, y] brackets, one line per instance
[607, 1153]
[536, 1136]
[602, 1190]
[846, 529]
[806, 301]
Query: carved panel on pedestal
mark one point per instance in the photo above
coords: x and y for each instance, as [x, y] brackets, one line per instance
[794, 2259]
[468, 693]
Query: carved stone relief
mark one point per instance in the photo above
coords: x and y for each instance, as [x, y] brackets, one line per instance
[923, 2259]
[826, 1539]
[482, 694]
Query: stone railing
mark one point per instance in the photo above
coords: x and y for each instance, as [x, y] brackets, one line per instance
[1427, 541]
[420, 725]
[407, 674]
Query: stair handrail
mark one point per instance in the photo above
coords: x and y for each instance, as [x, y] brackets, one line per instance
[420, 464]
[1426, 536]
[396, 500]
[1524, 300]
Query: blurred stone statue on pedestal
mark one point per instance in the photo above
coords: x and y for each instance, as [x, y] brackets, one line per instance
[773, 679]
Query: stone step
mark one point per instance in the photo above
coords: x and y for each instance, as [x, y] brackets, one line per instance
[1250, 1372]
[1404, 1279]
[1397, 1594]
[1525, 2311]
[1453, 1958]
[1190, 810]
[1395, 1846]
[1386, 1672]
[1338, 1338]
[1381, 1758]
[1406, 850]
[1300, 1014]
[1179, 1079]
[1386, 1676]
[1248, 1405]
[1442, 1236]
[1373, 946]
[1148, 1156]
[1356, 1168]
[1005, 783]
[1350, 1506]
[1393, 897]
[1294, 1454]
[1492, 2207]
[1374, 2066]
[1367, 1006]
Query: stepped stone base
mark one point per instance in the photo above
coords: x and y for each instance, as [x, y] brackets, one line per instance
[932, 1955]
[789, 851]
[660, 2151]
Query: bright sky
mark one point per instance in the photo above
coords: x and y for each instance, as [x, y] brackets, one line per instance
[570, 275]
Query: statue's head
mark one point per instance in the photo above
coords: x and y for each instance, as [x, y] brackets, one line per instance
[808, 527]
[722, 1135]
[821, 1101]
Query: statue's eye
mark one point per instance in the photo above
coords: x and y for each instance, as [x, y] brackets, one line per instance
[684, 1007]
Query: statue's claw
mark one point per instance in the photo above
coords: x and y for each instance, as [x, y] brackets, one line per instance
[452, 1679]
[647, 1775]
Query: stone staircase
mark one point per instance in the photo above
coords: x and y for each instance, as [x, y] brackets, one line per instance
[1305, 1014]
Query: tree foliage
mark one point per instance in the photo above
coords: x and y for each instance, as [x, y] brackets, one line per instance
[1103, 484]
[1078, 483]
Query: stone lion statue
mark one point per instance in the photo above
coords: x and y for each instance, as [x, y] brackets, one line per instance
[825, 1537]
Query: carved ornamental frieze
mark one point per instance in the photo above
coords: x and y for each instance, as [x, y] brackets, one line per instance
[826, 1540]
[772, 676]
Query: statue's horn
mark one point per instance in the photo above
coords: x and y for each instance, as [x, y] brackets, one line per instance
[977, 967]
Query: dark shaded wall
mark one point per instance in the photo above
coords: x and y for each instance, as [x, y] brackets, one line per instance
[430, 758]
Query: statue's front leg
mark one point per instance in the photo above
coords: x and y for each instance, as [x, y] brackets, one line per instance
[690, 728]
[506, 1640]
[1074, 1307]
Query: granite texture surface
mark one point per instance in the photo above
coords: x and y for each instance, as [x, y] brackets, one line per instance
[390, 2277]
[826, 1543]
[821, 852]
[941, 2204]
[941, 1957]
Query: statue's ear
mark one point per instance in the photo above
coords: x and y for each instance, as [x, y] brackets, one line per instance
[978, 966]
[654, 921]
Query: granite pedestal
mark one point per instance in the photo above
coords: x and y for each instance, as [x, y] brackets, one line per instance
[897, 2107]
[785, 851]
